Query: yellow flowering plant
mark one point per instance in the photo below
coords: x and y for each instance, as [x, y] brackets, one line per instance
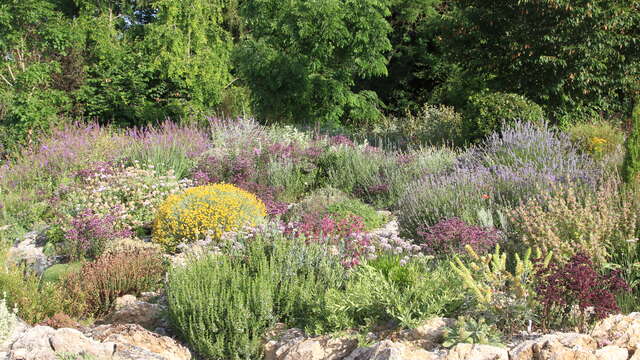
[205, 211]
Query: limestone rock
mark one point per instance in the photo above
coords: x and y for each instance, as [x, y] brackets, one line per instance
[389, 350]
[130, 310]
[19, 328]
[29, 251]
[477, 352]
[293, 345]
[43, 342]
[429, 334]
[612, 353]
[134, 339]
[558, 346]
[620, 330]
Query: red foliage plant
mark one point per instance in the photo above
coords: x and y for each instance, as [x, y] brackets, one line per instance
[563, 289]
[95, 287]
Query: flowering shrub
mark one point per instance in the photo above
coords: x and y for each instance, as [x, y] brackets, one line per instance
[324, 228]
[130, 195]
[451, 236]
[94, 288]
[597, 139]
[89, 234]
[575, 293]
[205, 210]
[569, 222]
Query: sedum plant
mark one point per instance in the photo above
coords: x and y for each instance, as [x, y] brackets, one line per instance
[205, 211]
[471, 331]
[506, 297]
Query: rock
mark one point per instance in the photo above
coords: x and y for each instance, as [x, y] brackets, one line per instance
[389, 350]
[132, 340]
[612, 353]
[619, 330]
[72, 341]
[558, 346]
[42, 343]
[293, 345]
[130, 310]
[19, 328]
[30, 252]
[477, 352]
[429, 334]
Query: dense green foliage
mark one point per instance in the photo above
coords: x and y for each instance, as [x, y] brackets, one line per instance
[572, 57]
[631, 164]
[338, 62]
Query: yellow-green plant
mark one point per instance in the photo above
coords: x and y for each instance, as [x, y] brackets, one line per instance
[205, 211]
[568, 222]
[507, 297]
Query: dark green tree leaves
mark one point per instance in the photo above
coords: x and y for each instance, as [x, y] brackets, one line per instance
[302, 58]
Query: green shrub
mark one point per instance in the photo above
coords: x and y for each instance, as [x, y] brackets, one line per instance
[222, 304]
[386, 289]
[35, 300]
[433, 125]
[598, 139]
[631, 165]
[59, 272]
[346, 208]
[485, 113]
[205, 211]
[336, 204]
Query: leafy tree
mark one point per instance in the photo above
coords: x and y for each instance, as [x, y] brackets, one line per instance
[415, 62]
[572, 56]
[302, 58]
[188, 47]
[631, 164]
[34, 43]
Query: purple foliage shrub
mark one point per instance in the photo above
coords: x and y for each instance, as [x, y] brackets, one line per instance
[89, 233]
[450, 236]
[576, 292]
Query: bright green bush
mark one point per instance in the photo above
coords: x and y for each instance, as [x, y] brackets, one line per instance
[485, 113]
[336, 204]
[58, 272]
[222, 305]
[203, 211]
[386, 289]
[346, 208]
[598, 139]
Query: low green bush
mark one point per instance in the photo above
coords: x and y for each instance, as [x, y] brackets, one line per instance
[346, 208]
[222, 305]
[58, 272]
[485, 113]
[388, 289]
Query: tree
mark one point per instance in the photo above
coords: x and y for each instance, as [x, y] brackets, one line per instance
[303, 57]
[187, 46]
[574, 57]
[631, 164]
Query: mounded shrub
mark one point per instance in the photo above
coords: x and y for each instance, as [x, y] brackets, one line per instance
[485, 113]
[94, 289]
[596, 139]
[205, 211]
[222, 304]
